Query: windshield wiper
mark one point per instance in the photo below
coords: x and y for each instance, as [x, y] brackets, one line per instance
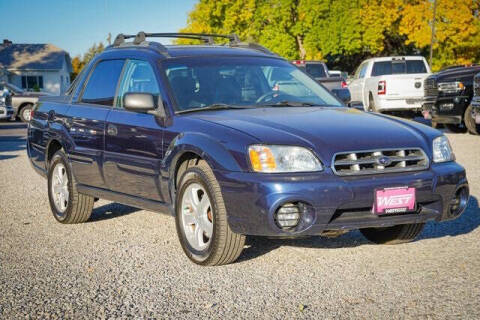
[214, 106]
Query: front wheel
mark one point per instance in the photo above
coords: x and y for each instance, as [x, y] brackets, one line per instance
[68, 206]
[393, 235]
[201, 218]
[472, 127]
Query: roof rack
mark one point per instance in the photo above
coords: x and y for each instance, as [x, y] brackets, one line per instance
[207, 38]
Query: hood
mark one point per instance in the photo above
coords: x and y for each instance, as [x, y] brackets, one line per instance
[32, 94]
[456, 74]
[326, 130]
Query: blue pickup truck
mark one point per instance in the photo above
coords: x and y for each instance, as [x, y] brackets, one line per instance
[233, 140]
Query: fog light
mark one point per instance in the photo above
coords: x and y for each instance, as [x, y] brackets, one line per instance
[459, 201]
[288, 216]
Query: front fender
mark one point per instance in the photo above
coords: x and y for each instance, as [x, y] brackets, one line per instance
[208, 148]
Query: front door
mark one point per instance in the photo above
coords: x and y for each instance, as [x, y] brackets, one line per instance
[133, 141]
[86, 122]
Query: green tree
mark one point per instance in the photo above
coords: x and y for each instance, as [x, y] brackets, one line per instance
[345, 32]
[79, 62]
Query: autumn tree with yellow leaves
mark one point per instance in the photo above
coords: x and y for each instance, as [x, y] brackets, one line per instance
[345, 32]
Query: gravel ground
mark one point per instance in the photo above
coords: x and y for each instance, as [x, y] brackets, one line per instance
[127, 262]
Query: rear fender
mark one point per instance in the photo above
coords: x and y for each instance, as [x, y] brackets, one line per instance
[57, 132]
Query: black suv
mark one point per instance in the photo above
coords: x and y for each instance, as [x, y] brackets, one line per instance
[447, 98]
[475, 106]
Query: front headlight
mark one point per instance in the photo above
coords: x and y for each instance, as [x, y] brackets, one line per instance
[451, 87]
[277, 159]
[442, 151]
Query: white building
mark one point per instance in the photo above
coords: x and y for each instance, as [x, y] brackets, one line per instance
[33, 67]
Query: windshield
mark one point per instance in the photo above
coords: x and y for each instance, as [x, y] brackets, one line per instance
[242, 81]
[10, 87]
[316, 70]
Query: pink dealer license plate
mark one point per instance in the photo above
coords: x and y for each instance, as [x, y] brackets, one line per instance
[394, 200]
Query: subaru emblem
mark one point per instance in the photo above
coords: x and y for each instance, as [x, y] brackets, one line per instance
[384, 161]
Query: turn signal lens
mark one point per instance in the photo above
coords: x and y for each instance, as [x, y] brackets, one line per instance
[262, 159]
[276, 159]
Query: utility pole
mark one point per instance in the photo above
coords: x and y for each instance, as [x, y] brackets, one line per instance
[433, 31]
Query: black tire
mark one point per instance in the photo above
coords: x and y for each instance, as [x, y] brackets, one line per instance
[79, 207]
[393, 235]
[472, 127]
[371, 104]
[456, 128]
[26, 108]
[224, 245]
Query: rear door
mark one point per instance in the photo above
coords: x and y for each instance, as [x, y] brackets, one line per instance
[133, 141]
[86, 122]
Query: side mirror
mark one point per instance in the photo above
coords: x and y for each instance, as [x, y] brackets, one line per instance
[139, 102]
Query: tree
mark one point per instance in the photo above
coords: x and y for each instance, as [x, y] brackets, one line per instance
[457, 30]
[79, 62]
[345, 32]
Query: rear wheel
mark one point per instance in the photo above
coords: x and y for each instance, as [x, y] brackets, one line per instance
[456, 128]
[201, 218]
[68, 206]
[393, 235]
[472, 127]
[25, 113]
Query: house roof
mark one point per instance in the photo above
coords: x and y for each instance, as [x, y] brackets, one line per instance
[33, 57]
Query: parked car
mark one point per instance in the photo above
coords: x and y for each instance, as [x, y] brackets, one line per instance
[21, 101]
[390, 84]
[448, 94]
[475, 107]
[206, 134]
[338, 73]
[6, 110]
[319, 71]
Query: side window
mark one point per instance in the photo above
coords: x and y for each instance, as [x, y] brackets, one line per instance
[360, 72]
[138, 77]
[102, 83]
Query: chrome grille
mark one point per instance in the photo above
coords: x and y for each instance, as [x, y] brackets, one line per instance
[430, 87]
[379, 161]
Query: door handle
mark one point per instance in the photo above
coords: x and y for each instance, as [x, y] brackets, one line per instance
[112, 130]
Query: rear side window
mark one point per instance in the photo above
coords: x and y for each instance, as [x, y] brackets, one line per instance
[102, 83]
[315, 70]
[382, 68]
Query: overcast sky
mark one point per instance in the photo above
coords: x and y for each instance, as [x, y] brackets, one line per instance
[75, 25]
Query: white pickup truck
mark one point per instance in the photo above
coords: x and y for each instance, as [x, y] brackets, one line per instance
[390, 84]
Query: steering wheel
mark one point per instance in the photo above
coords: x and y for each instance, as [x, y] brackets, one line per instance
[272, 95]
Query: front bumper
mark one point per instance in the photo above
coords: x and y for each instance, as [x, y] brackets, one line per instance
[399, 104]
[6, 112]
[338, 203]
[445, 109]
